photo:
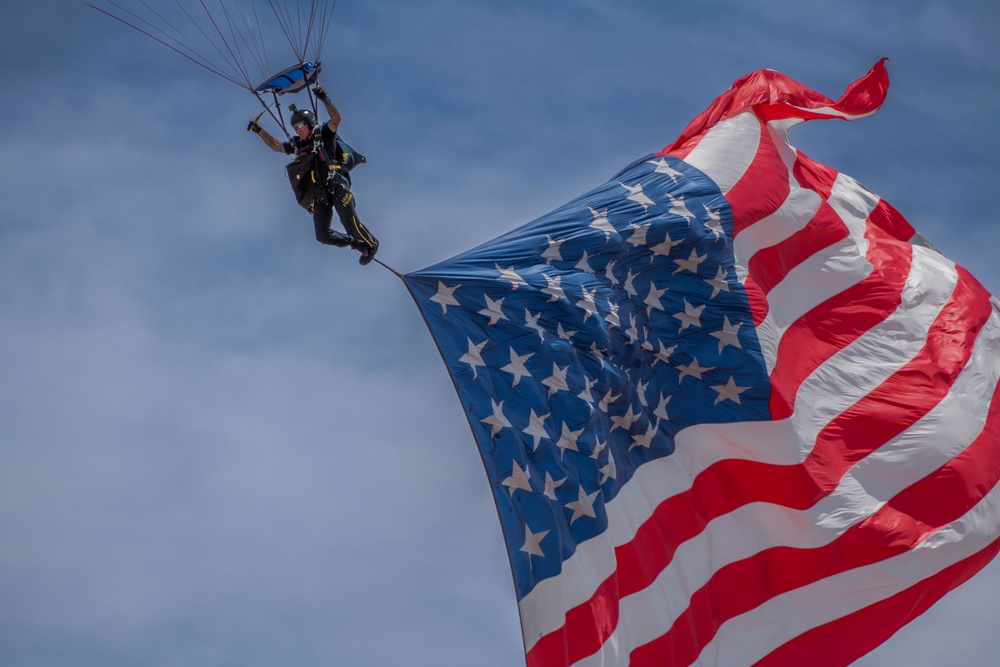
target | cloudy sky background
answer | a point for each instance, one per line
(222, 443)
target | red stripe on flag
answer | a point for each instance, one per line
(587, 627)
(762, 189)
(892, 221)
(767, 87)
(811, 174)
(825, 646)
(759, 307)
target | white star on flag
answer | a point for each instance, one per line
(531, 321)
(638, 238)
(694, 369)
(562, 333)
(493, 310)
(608, 399)
(718, 283)
(518, 479)
(598, 448)
(679, 208)
(691, 317)
(612, 317)
(568, 438)
(587, 303)
(584, 264)
(553, 288)
(557, 381)
(636, 194)
(601, 223)
(551, 485)
(665, 246)
(625, 421)
(497, 420)
(640, 390)
(585, 394)
(661, 409)
(728, 391)
(629, 287)
(691, 263)
(552, 253)
(584, 506)
(532, 542)
(516, 366)
(729, 334)
(608, 470)
(653, 298)
(594, 350)
(644, 440)
(714, 223)
(610, 274)
(664, 353)
(630, 330)
(474, 356)
(445, 297)
(663, 168)
(536, 428)
(510, 275)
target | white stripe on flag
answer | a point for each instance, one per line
(727, 150)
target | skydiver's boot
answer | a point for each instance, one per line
(368, 254)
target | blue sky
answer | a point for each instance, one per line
(224, 444)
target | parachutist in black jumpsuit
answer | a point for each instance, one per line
(327, 161)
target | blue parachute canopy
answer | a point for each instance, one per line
(291, 80)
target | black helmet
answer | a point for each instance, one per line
(304, 115)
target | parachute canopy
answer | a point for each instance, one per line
(291, 80)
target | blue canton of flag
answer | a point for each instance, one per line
(582, 342)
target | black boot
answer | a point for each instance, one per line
(368, 254)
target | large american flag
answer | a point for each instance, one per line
(734, 411)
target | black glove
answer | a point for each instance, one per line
(321, 95)
(252, 126)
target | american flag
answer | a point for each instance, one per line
(734, 411)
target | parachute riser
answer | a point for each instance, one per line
(276, 118)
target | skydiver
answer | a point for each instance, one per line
(321, 158)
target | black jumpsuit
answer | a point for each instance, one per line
(340, 196)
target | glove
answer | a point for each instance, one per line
(320, 94)
(252, 126)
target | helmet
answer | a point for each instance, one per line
(304, 115)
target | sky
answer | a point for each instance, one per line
(222, 443)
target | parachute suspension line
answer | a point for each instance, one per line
(179, 49)
(309, 28)
(237, 61)
(303, 28)
(285, 22)
(253, 35)
(231, 60)
(325, 22)
(281, 118)
(313, 101)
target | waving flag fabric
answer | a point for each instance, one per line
(734, 411)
